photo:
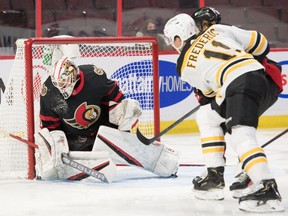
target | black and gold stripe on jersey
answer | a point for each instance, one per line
(253, 157)
(232, 65)
(258, 45)
(209, 93)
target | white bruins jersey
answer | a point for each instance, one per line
(218, 56)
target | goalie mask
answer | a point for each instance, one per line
(65, 76)
(206, 14)
(182, 26)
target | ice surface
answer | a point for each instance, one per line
(136, 192)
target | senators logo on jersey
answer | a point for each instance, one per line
(84, 116)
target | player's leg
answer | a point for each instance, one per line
(248, 96)
(211, 184)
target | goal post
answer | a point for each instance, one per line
(131, 61)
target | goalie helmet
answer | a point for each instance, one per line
(206, 14)
(182, 26)
(65, 76)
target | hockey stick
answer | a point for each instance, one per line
(274, 138)
(68, 161)
(239, 169)
(94, 173)
(147, 141)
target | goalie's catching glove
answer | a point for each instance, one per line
(124, 114)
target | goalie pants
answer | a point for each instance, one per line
(247, 98)
(80, 143)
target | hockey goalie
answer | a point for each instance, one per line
(85, 115)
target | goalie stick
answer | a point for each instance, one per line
(94, 173)
(148, 141)
(68, 161)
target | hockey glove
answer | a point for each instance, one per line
(202, 99)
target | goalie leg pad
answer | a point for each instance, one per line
(125, 148)
(167, 163)
(51, 145)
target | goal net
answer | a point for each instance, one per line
(132, 61)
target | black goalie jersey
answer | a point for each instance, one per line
(85, 110)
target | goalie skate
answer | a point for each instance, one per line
(263, 198)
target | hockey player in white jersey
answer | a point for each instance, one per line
(221, 62)
(204, 18)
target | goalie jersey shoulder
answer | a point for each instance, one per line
(48, 88)
(93, 70)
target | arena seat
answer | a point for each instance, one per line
(233, 16)
(262, 15)
(216, 3)
(269, 31)
(282, 32)
(80, 4)
(284, 14)
(54, 4)
(5, 5)
(168, 4)
(20, 4)
(275, 3)
(245, 3)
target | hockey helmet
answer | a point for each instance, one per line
(65, 76)
(207, 14)
(182, 26)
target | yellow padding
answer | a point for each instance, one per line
(249, 153)
(213, 150)
(253, 162)
(212, 139)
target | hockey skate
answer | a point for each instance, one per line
(263, 197)
(241, 186)
(210, 185)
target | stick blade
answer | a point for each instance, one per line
(143, 139)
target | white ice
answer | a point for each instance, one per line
(139, 193)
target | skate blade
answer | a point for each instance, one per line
(254, 206)
(240, 193)
(213, 194)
